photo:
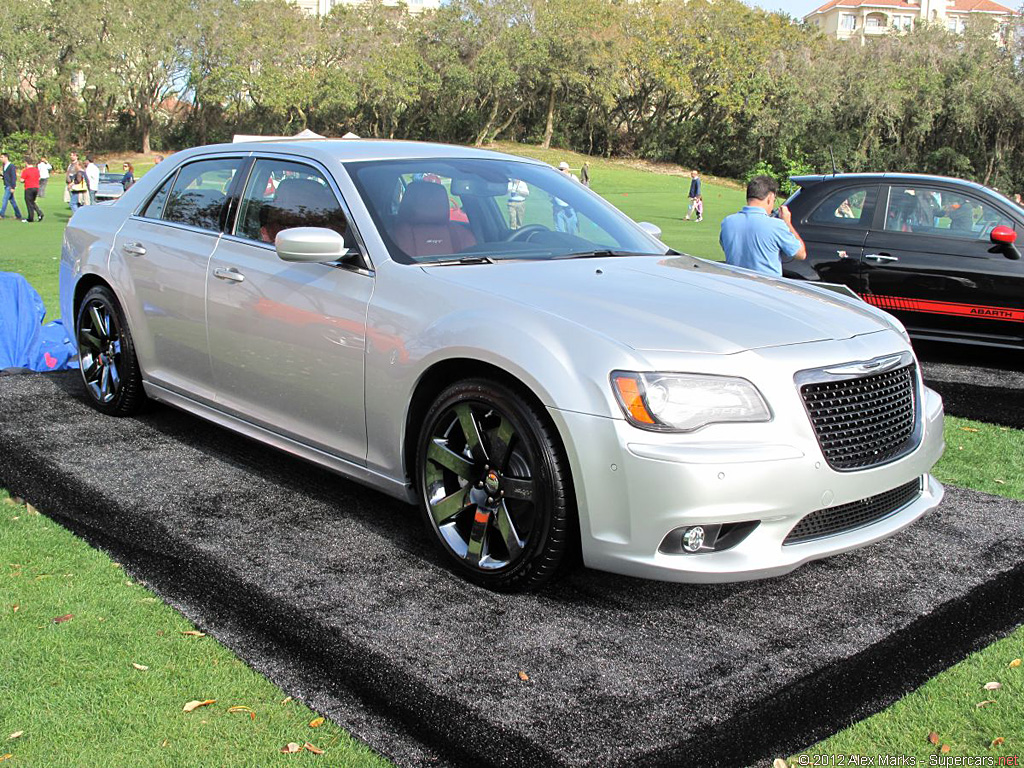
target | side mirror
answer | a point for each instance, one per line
(311, 244)
(651, 229)
(1006, 237)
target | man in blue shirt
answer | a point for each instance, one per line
(754, 239)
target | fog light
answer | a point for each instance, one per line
(693, 538)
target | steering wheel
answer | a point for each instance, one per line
(523, 233)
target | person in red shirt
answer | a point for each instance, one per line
(30, 182)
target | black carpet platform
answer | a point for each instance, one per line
(332, 591)
(980, 383)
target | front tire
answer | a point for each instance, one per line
(110, 369)
(495, 486)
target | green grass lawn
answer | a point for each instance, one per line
(73, 692)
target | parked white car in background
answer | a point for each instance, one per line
(533, 384)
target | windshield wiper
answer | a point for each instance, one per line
(458, 261)
(603, 254)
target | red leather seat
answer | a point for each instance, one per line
(424, 227)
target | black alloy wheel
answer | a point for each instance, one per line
(495, 486)
(106, 353)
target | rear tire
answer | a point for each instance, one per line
(495, 487)
(110, 370)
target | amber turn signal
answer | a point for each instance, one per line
(627, 387)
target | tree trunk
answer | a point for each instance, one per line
(550, 128)
(482, 136)
(147, 127)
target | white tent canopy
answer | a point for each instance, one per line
(306, 134)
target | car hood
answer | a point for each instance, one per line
(672, 303)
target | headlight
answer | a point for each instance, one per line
(683, 402)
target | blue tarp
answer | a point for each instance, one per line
(24, 341)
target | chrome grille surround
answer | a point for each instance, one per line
(864, 414)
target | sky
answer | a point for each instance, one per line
(797, 8)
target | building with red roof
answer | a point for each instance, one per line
(861, 20)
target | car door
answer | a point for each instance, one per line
(929, 259)
(834, 227)
(287, 339)
(160, 256)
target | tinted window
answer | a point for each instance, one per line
(849, 207)
(155, 207)
(280, 195)
(199, 193)
(942, 212)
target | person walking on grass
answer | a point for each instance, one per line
(10, 182)
(754, 239)
(695, 195)
(78, 187)
(92, 177)
(44, 176)
(129, 176)
(30, 183)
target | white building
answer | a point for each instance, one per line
(324, 7)
(861, 20)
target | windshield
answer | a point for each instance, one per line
(444, 209)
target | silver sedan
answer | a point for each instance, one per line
(485, 337)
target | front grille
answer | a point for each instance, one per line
(856, 514)
(863, 422)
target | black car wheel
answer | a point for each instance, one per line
(110, 370)
(495, 486)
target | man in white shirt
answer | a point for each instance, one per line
(518, 191)
(92, 177)
(44, 174)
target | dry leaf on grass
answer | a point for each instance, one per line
(944, 748)
(31, 510)
(15, 607)
(985, 703)
(316, 722)
(778, 762)
(969, 429)
(1001, 482)
(62, 619)
(286, 699)
(993, 686)
(197, 704)
(193, 633)
(1014, 663)
(310, 748)
(933, 737)
(8, 756)
(524, 677)
(291, 748)
(15, 735)
(140, 667)
(997, 741)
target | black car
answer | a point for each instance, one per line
(938, 253)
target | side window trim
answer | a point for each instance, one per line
(169, 184)
(366, 265)
(172, 179)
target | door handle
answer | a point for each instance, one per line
(135, 249)
(228, 274)
(880, 257)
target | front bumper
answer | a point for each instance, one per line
(633, 488)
